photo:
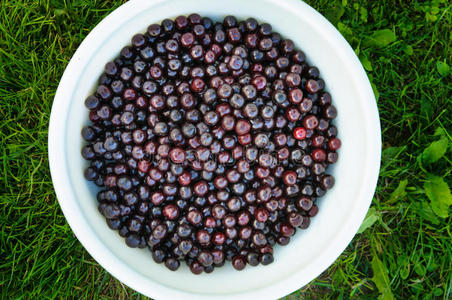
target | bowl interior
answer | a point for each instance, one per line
(341, 210)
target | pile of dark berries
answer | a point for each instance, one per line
(210, 142)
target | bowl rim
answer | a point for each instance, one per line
(102, 254)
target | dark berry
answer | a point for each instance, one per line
(210, 142)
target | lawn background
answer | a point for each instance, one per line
(404, 249)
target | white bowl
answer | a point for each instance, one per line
(311, 251)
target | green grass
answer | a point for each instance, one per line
(405, 252)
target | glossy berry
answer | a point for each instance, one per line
(210, 142)
(238, 262)
(299, 133)
(334, 144)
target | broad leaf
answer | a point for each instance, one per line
(399, 192)
(403, 263)
(439, 194)
(439, 131)
(437, 292)
(443, 68)
(381, 279)
(382, 38)
(408, 50)
(426, 108)
(425, 210)
(334, 12)
(371, 217)
(375, 90)
(346, 31)
(389, 154)
(365, 62)
(419, 268)
(435, 151)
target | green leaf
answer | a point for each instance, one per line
(404, 264)
(346, 31)
(434, 9)
(408, 25)
(371, 217)
(389, 154)
(405, 271)
(376, 92)
(439, 131)
(59, 12)
(435, 151)
(431, 17)
(439, 194)
(334, 12)
(374, 87)
(399, 192)
(426, 108)
(357, 51)
(365, 62)
(417, 288)
(408, 50)
(432, 267)
(437, 292)
(443, 68)
(381, 279)
(381, 38)
(420, 270)
(363, 14)
(425, 210)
